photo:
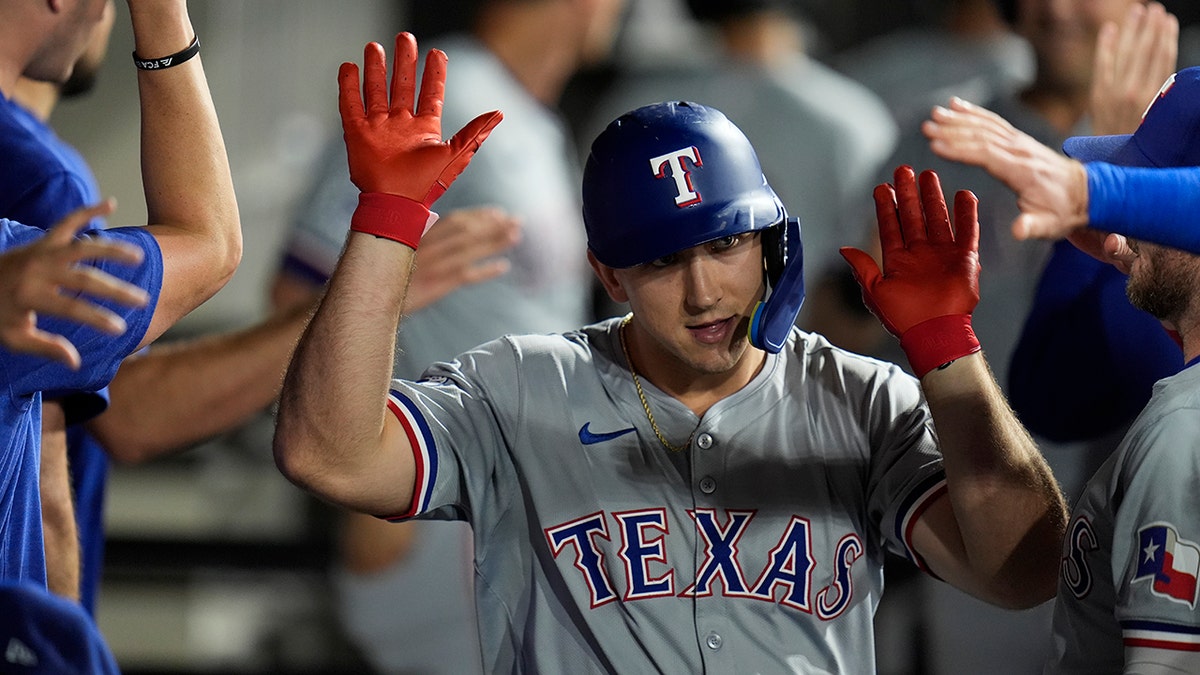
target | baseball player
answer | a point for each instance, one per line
(1128, 590)
(671, 491)
(188, 252)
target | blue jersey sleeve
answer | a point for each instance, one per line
(101, 353)
(1086, 359)
(1155, 205)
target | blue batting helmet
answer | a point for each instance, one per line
(669, 176)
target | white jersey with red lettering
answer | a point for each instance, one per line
(759, 548)
(1131, 558)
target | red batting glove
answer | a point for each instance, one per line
(397, 158)
(930, 280)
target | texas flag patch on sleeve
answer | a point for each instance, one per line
(1172, 564)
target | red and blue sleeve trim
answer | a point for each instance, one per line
(918, 499)
(425, 458)
(1160, 635)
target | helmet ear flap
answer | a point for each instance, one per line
(780, 243)
(774, 245)
(783, 255)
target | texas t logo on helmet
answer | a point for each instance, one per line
(716, 189)
(687, 195)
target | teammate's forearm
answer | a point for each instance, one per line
(59, 530)
(185, 171)
(332, 430)
(1156, 205)
(231, 377)
(1009, 509)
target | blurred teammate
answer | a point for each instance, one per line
(1128, 590)
(1089, 56)
(189, 251)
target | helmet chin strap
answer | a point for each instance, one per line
(772, 319)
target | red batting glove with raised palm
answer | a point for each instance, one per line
(930, 280)
(398, 159)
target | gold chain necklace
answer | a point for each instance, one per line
(642, 395)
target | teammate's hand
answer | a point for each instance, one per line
(1051, 188)
(1132, 61)
(1118, 251)
(47, 276)
(463, 249)
(393, 149)
(930, 280)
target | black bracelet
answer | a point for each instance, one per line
(168, 61)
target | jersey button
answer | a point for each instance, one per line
(713, 641)
(708, 485)
(704, 441)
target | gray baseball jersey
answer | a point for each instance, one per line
(1132, 553)
(758, 549)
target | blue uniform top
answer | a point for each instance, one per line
(43, 179)
(22, 555)
(1087, 359)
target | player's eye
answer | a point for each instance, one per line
(664, 261)
(726, 243)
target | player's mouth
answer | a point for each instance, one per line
(712, 332)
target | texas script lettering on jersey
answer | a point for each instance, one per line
(789, 568)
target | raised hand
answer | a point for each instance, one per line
(1051, 188)
(929, 285)
(394, 148)
(47, 276)
(1131, 63)
(461, 251)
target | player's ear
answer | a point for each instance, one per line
(608, 278)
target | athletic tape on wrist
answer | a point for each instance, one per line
(392, 217)
(938, 341)
(168, 61)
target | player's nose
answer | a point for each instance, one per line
(700, 282)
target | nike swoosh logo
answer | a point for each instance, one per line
(588, 438)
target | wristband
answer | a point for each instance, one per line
(392, 217)
(938, 341)
(168, 61)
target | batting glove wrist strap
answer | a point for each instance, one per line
(392, 217)
(938, 341)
